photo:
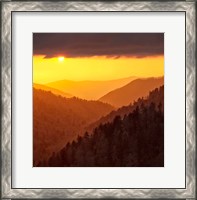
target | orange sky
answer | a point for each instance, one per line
(95, 68)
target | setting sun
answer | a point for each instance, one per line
(61, 59)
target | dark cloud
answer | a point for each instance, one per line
(98, 44)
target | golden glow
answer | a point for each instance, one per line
(61, 59)
(95, 68)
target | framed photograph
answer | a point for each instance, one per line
(98, 99)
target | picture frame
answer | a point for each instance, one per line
(7, 91)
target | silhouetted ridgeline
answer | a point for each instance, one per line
(156, 96)
(89, 89)
(134, 140)
(128, 93)
(52, 90)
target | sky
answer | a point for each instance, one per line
(96, 56)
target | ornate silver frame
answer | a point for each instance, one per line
(7, 7)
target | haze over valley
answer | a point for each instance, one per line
(87, 89)
(60, 117)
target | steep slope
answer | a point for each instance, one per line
(54, 91)
(57, 120)
(135, 140)
(89, 90)
(155, 96)
(132, 91)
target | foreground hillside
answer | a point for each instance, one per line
(134, 140)
(132, 91)
(57, 120)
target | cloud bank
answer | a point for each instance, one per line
(98, 44)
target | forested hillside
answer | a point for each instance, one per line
(135, 139)
(57, 120)
(155, 96)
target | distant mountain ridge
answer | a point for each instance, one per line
(132, 91)
(89, 90)
(53, 90)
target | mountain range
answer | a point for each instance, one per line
(60, 116)
(133, 140)
(89, 90)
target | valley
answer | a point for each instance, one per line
(60, 118)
